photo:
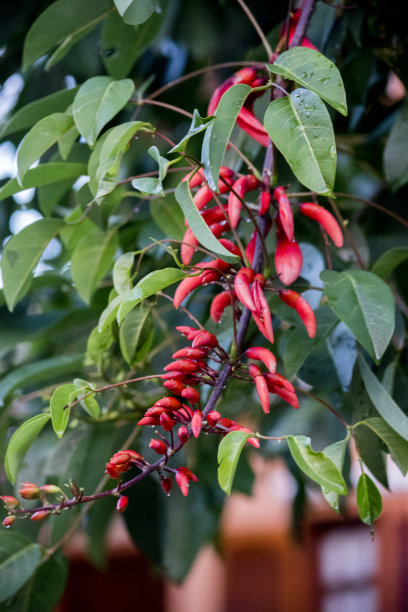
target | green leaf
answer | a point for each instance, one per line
(39, 139)
(21, 255)
(104, 162)
(135, 12)
(198, 226)
(372, 451)
(122, 272)
(229, 452)
(44, 174)
(122, 44)
(316, 465)
(335, 452)
(97, 250)
(198, 125)
(383, 402)
(60, 23)
(218, 134)
(97, 101)
(369, 500)
(31, 113)
(396, 150)
(365, 304)
(168, 216)
(66, 142)
(300, 127)
(19, 558)
(388, 261)
(45, 587)
(39, 372)
(314, 71)
(397, 446)
(59, 414)
(153, 186)
(133, 332)
(20, 442)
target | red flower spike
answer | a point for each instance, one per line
(241, 285)
(166, 484)
(241, 186)
(219, 304)
(183, 478)
(302, 307)
(285, 212)
(191, 394)
(262, 354)
(29, 490)
(167, 422)
(9, 501)
(184, 289)
(122, 503)
(8, 521)
(280, 386)
(288, 259)
(123, 460)
(40, 515)
(265, 203)
(182, 365)
(245, 75)
(174, 385)
(146, 420)
(190, 353)
(189, 332)
(252, 126)
(205, 339)
(154, 411)
(265, 314)
(158, 446)
(196, 423)
(213, 417)
(263, 392)
(183, 434)
(326, 220)
(168, 402)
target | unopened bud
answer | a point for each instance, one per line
(158, 445)
(40, 515)
(8, 521)
(9, 501)
(183, 434)
(166, 484)
(51, 489)
(29, 490)
(122, 503)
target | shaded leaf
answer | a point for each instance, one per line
(316, 465)
(397, 446)
(135, 12)
(198, 125)
(365, 304)
(122, 272)
(97, 101)
(229, 452)
(388, 261)
(59, 413)
(218, 134)
(20, 442)
(313, 70)
(133, 332)
(168, 216)
(19, 558)
(301, 128)
(21, 255)
(372, 452)
(335, 452)
(396, 150)
(198, 226)
(369, 500)
(43, 174)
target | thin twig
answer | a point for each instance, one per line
(257, 27)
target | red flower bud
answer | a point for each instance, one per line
(245, 75)
(191, 394)
(40, 515)
(122, 503)
(302, 307)
(190, 353)
(122, 461)
(190, 332)
(168, 402)
(326, 220)
(183, 478)
(29, 490)
(219, 304)
(146, 420)
(158, 445)
(182, 365)
(51, 489)
(166, 484)
(265, 202)
(205, 339)
(213, 417)
(288, 259)
(8, 521)
(241, 285)
(188, 246)
(196, 423)
(9, 501)
(280, 386)
(184, 289)
(262, 354)
(285, 212)
(240, 187)
(167, 422)
(183, 434)
(174, 385)
(262, 318)
(263, 392)
(252, 126)
(195, 178)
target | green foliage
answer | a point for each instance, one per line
(20, 442)
(19, 558)
(229, 452)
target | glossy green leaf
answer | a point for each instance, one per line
(388, 261)
(198, 125)
(19, 558)
(385, 405)
(396, 150)
(314, 71)
(198, 226)
(33, 112)
(20, 442)
(135, 12)
(40, 371)
(133, 332)
(122, 272)
(97, 101)
(66, 141)
(316, 465)
(300, 127)
(168, 216)
(151, 185)
(365, 304)
(59, 413)
(369, 500)
(218, 134)
(397, 446)
(60, 23)
(335, 452)
(229, 452)
(21, 255)
(373, 453)
(44, 174)
(97, 250)
(39, 139)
